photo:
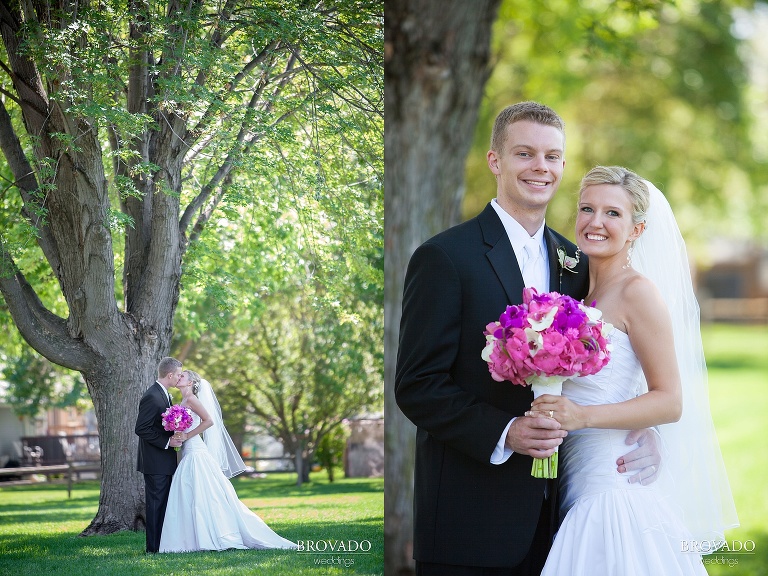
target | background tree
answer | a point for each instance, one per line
(300, 370)
(290, 332)
(124, 129)
(36, 385)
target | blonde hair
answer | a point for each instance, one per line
(196, 379)
(633, 184)
(531, 111)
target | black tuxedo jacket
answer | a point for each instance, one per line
(153, 457)
(468, 511)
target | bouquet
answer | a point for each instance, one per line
(177, 418)
(543, 342)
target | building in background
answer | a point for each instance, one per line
(733, 287)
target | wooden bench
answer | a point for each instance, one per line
(71, 470)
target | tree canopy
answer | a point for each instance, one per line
(145, 143)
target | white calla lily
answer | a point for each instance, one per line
(535, 341)
(545, 322)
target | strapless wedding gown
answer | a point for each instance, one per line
(204, 512)
(609, 526)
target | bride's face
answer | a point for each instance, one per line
(604, 226)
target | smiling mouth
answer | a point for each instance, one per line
(537, 183)
(597, 237)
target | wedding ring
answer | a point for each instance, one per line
(551, 413)
(653, 467)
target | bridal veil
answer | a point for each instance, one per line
(695, 474)
(217, 438)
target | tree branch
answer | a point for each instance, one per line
(206, 120)
(42, 329)
(26, 182)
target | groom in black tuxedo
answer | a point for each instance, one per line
(156, 457)
(477, 509)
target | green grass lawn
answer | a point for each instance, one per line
(39, 525)
(737, 358)
(39, 529)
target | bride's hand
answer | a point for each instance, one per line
(569, 415)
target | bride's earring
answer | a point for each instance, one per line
(629, 257)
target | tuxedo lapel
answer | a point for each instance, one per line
(165, 394)
(554, 264)
(500, 255)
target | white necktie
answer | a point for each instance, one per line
(530, 268)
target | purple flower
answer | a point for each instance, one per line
(177, 418)
(513, 317)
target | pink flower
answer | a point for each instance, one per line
(177, 418)
(550, 334)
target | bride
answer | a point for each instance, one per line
(203, 511)
(655, 377)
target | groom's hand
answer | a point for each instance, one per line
(646, 457)
(175, 442)
(536, 436)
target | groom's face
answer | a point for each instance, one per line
(530, 166)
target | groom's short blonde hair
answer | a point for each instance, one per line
(166, 366)
(530, 111)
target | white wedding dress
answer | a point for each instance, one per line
(612, 527)
(204, 512)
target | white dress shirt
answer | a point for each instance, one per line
(537, 276)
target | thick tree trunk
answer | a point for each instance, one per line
(298, 462)
(127, 367)
(116, 392)
(436, 65)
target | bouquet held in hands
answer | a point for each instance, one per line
(543, 342)
(177, 418)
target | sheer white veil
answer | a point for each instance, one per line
(695, 474)
(217, 438)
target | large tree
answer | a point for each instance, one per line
(124, 128)
(436, 62)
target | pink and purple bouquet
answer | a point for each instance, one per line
(177, 418)
(543, 342)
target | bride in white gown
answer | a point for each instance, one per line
(656, 373)
(204, 512)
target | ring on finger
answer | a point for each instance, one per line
(551, 413)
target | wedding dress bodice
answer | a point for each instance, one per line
(588, 456)
(196, 442)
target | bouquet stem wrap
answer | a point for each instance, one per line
(546, 467)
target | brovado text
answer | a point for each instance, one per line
(333, 546)
(710, 546)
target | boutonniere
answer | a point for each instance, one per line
(568, 262)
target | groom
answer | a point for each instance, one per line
(477, 509)
(156, 458)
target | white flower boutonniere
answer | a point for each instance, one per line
(568, 262)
